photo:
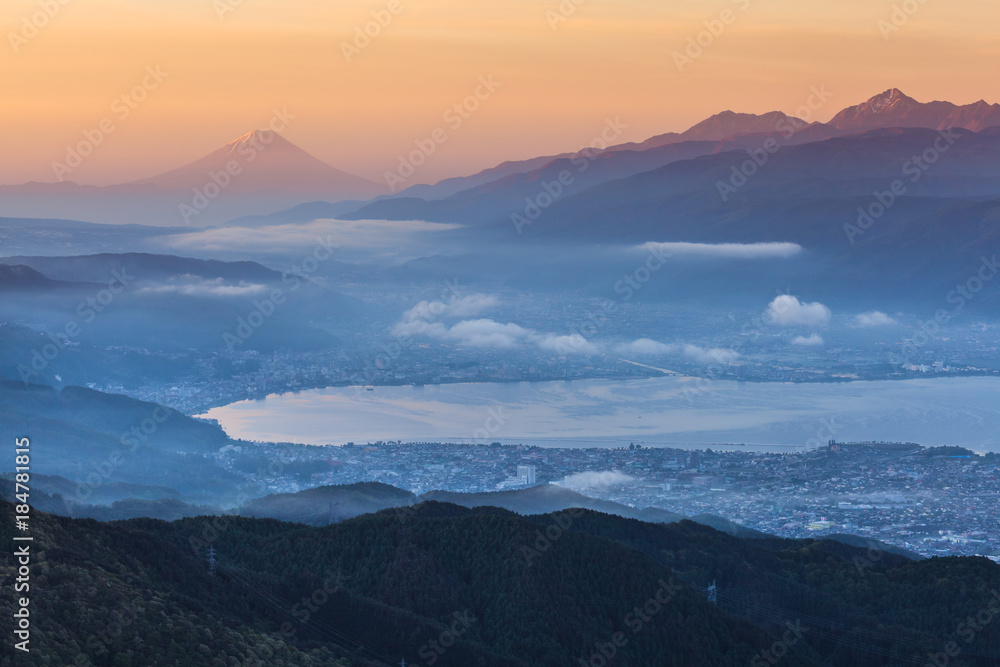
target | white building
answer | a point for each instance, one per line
(525, 477)
(528, 473)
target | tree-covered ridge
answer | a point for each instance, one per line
(496, 588)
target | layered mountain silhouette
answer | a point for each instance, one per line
(723, 125)
(19, 276)
(713, 130)
(891, 108)
(259, 172)
(265, 161)
(514, 184)
(560, 177)
(849, 166)
(895, 109)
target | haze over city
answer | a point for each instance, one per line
(511, 334)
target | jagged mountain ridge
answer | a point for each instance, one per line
(893, 108)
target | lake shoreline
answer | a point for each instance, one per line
(662, 411)
(223, 402)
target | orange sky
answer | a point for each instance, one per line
(608, 58)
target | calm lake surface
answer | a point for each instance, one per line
(668, 411)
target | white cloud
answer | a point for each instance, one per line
(715, 355)
(812, 341)
(424, 320)
(332, 233)
(487, 333)
(466, 306)
(727, 250)
(195, 286)
(786, 310)
(596, 480)
(472, 304)
(420, 328)
(649, 347)
(874, 318)
(571, 344)
(474, 333)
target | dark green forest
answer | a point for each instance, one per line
(439, 584)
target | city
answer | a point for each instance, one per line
(933, 502)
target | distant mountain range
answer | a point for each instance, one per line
(726, 132)
(259, 171)
(147, 267)
(15, 275)
(894, 109)
(888, 109)
(487, 202)
(262, 173)
(724, 125)
(815, 194)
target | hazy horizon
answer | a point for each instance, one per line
(561, 73)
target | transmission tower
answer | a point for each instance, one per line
(211, 560)
(713, 593)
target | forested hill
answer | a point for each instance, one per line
(515, 591)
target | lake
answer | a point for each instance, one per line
(667, 411)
